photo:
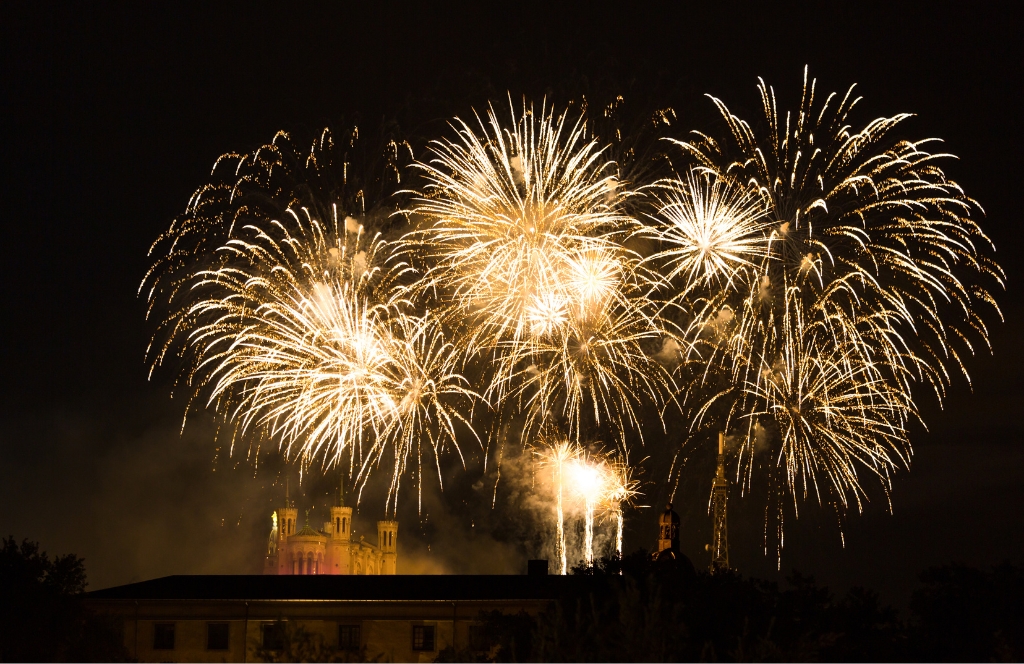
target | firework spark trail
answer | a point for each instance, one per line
(303, 334)
(598, 481)
(523, 237)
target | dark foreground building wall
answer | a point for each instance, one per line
(239, 618)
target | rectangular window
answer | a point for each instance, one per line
(217, 636)
(273, 638)
(422, 637)
(348, 637)
(163, 636)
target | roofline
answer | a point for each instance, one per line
(339, 588)
(247, 600)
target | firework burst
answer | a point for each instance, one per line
(340, 171)
(428, 399)
(874, 214)
(509, 207)
(522, 238)
(828, 272)
(827, 404)
(303, 334)
(711, 227)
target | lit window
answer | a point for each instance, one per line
(348, 637)
(217, 636)
(422, 637)
(163, 636)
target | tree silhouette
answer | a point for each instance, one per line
(41, 613)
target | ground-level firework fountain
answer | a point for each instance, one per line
(588, 483)
(594, 484)
(557, 456)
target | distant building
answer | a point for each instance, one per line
(668, 535)
(331, 550)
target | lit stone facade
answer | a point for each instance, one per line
(331, 550)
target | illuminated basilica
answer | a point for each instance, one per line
(331, 550)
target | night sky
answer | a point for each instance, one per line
(113, 115)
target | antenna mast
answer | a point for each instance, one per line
(719, 498)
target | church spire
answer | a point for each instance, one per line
(341, 491)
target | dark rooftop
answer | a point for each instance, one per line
(329, 587)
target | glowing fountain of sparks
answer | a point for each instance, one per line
(620, 489)
(558, 454)
(588, 479)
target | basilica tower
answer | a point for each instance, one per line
(287, 517)
(283, 525)
(340, 530)
(387, 538)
